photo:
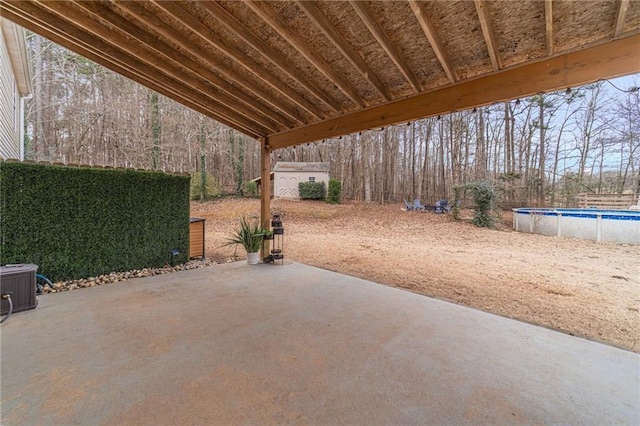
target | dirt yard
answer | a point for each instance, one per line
(580, 287)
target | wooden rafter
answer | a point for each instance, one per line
(261, 9)
(114, 54)
(548, 19)
(180, 61)
(312, 11)
(420, 12)
(269, 53)
(487, 32)
(95, 50)
(76, 16)
(174, 36)
(621, 16)
(214, 40)
(583, 66)
(382, 38)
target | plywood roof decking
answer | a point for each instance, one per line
(294, 71)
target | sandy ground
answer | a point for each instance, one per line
(580, 287)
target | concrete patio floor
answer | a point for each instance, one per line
(266, 344)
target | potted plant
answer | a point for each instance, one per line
(249, 235)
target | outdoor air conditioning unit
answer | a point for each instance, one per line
(20, 282)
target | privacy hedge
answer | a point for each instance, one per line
(311, 190)
(81, 222)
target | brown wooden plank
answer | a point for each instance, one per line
(548, 22)
(420, 12)
(265, 13)
(623, 6)
(487, 32)
(89, 47)
(86, 16)
(378, 33)
(312, 11)
(605, 60)
(214, 40)
(265, 193)
(269, 53)
(154, 24)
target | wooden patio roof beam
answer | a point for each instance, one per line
(86, 48)
(266, 14)
(176, 66)
(487, 31)
(548, 20)
(269, 53)
(419, 10)
(608, 60)
(384, 41)
(212, 39)
(621, 16)
(348, 52)
(137, 12)
(181, 62)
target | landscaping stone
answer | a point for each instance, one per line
(114, 277)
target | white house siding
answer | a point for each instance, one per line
(9, 106)
(15, 83)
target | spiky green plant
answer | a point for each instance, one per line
(249, 235)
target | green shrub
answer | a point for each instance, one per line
(311, 190)
(334, 194)
(250, 189)
(81, 222)
(212, 187)
(483, 196)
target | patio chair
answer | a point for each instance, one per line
(442, 206)
(418, 206)
(407, 206)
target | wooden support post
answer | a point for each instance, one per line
(265, 193)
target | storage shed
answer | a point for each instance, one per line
(287, 176)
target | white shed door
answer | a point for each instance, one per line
(287, 187)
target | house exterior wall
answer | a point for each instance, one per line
(286, 182)
(9, 106)
(15, 84)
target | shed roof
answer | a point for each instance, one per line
(284, 166)
(295, 71)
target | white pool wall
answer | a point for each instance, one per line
(617, 226)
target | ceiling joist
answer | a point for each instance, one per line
(382, 38)
(487, 32)
(349, 53)
(262, 9)
(548, 25)
(260, 100)
(250, 65)
(30, 16)
(420, 12)
(196, 88)
(621, 16)
(269, 53)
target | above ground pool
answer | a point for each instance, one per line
(617, 226)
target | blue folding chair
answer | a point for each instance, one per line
(418, 206)
(442, 206)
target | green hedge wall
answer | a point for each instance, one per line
(81, 222)
(311, 190)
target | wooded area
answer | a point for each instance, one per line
(542, 150)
